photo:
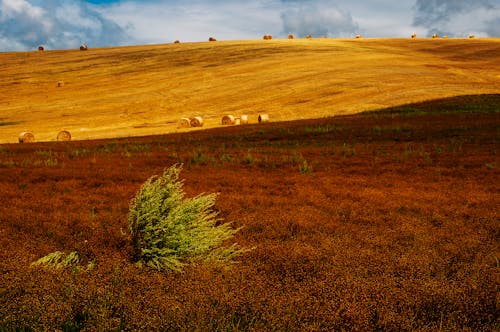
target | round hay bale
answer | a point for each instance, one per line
(263, 118)
(197, 121)
(64, 136)
(290, 36)
(268, 37)
(414, 36)
(60, 84)
(41, 48)
(244, 119)
(177, 42)
(472, 36)
(184, 123)
(212, 39)
(309, 37)
(434, 36)
(228, 120)
(26, 137)
(359, 36)
(83, 47)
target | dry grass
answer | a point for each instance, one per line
(132, 91)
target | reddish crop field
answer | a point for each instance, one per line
(386, 220)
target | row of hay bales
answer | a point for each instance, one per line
(228, 120)
(27, 137)
(197, 121)
(413, 36)
(83, 47)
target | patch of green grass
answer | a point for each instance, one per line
(486, 104)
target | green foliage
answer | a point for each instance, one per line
(170, 231)
(59, 259)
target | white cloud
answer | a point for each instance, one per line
(317, 18)
(56, 24)
(458, 17)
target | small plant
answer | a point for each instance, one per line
(169, 231)
(59, 260)
(305, 168)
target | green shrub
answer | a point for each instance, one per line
(59, 260)
(169, 231)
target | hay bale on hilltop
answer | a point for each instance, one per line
(414, 36)
(309, 37)
(434, 36)
(268, 37)
(41, 48)
(184, 123)
(263, 118)
(83, 47)
(472, 36)
(177, 42)
(26, 137)
(359, 36)
(228, 120)
(244, 119)
(197, 121)
(290, 36)
(64, 136)
(212, 39)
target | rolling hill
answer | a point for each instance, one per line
(143, 90)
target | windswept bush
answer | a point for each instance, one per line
(59, 260)
(170, 231)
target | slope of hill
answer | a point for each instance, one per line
(143, 90)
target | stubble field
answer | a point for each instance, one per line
(144, 90)
(377, 221)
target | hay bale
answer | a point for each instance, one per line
(472, 36)
(26, 137)
(309, 37)
(228, 120)
(197, 121)
(83, 47)
(414, 36)
(60, 84)
(212, 39)
(434, 36)
(244, 119)
(177, 42)
(64, 136)
(41, 48)
(359, 36)
(184, 123)
(268, 37)
(290, 36)
(263, 118)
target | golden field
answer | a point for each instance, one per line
(142, 90)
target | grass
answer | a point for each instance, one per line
(409, 248)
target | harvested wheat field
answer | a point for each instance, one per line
(142, 90)
(380, 221)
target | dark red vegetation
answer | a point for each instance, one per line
(378, 221)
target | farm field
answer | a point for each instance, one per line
(144, 90)
(385, 220)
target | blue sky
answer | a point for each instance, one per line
(60, 24)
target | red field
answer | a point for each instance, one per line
(378, 221)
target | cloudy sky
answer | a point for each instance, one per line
(60, 24)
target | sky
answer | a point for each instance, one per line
(63, 24)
